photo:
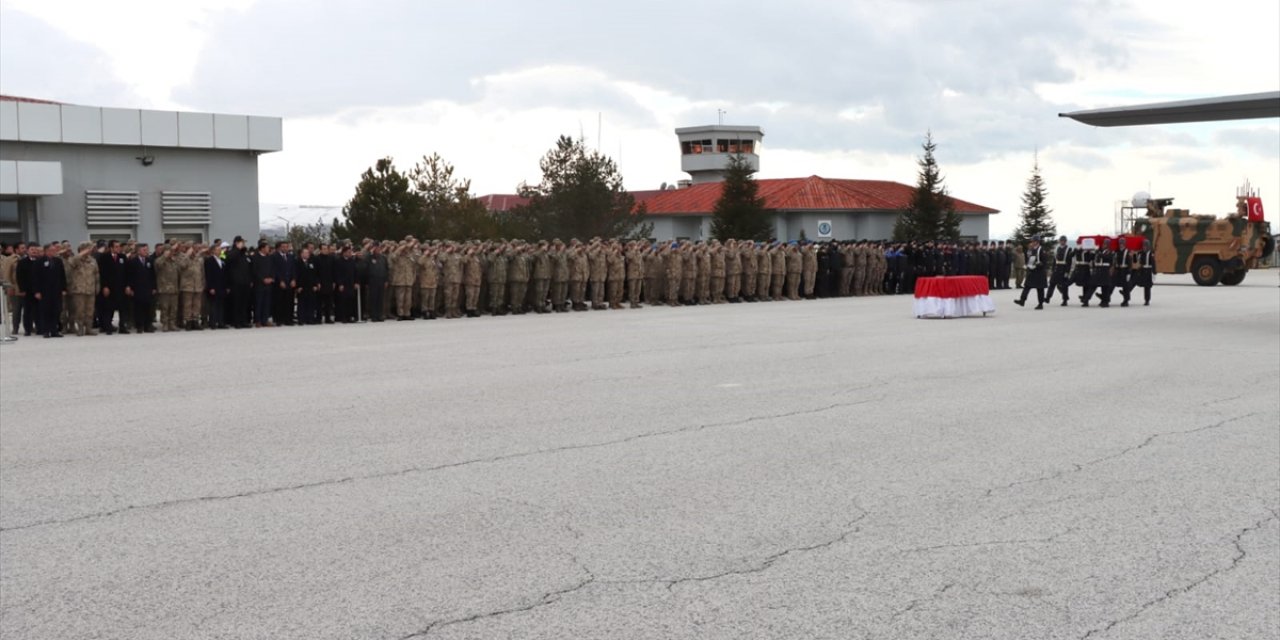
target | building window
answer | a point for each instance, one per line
(119, 235)
(748, 146)
(722, 146)
(696, 147)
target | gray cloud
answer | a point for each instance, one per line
(1189, 164)
(907, 58)
(1079, 158)
(1262, 141)
(42, 62)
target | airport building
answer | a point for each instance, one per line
(71, 172)
(815, 207)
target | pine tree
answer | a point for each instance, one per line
(740, 212)
(1037, 217)
(451, 212)
(931, 214)
(580, 196)
(384, 206)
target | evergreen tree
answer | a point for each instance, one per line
(449, 209)
(384, 206)
(580, 196)
(740, 212)
(931, 214)
(1037, 217)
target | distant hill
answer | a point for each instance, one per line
(272, 217)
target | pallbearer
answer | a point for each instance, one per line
(1063, 263)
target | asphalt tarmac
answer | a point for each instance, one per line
(818, 469)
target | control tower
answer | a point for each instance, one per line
(705, 151)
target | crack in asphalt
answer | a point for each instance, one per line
(1077, 467)
(915, 603)
(1237, 557)
(441, 467)
(990, 543)
(551, 597)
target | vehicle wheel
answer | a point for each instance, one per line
(1206, 271)
(1234, 278)
(1268, 247)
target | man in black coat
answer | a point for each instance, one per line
(239, 273)
(308, 286)
(111, 282)
(1035, 275)
(344, 285)
(263, 278)
(140, 289)
(324, 276)
(378, 271)
(25, 275)
(285, 271)
(216, 288)
(50, 284)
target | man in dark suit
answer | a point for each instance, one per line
(140, 289)
(344, 285)
(216, 288)
(239, 274)
(50, 285)
(260, 266)
(308, 288)
(111, 288)
(25, 277)
(324, 274)
(285, 271)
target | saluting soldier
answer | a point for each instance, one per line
(635, 273)
(579, 270)
(809, 269)
(674, 264)
(654, 275)
(191, 287)
(764, 274)
(541, 278)
(497, 278)
(403, 273)
(82, 284)
(472, 275)
(749, 256)
(429, 282)
(518, 278)
(733, 267)
(559, 277)
(718, 273)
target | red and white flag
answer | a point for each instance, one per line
(1255, 209)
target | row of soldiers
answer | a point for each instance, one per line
(1098, 271)
(113, 286)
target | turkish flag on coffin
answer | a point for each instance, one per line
(1255, 209)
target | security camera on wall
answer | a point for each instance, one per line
(147, 160)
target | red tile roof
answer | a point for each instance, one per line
(509, 201)
(803, 194)
(4, 98)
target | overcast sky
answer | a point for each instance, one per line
(841, 89)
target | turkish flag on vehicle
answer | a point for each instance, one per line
(1255, 209)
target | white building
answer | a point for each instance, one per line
(71, 172)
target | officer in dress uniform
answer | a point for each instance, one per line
(1035, 275)
(1141, 273)
(1082, 276)
(1120, 271)
(1100, 278)
(1063, 263)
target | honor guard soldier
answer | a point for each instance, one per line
(1035, 275)
(1063, 263)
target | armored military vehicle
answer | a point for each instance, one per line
(1213, 250)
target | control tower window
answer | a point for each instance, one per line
(722, 146)
(748, 146)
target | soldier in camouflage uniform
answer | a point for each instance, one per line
(779, 256)
(403, 274)
(733, 270)
(717, 272)
(559, 277)
(82, 286)
(808, 269)
(497, 278)
(541, 278)
(635, 272)
(615, 274)
(472, 276)
(673, 263)
(688, 273)
(518, 271)
(428, 282)
(764, 274)
(191, 287)
(579, 270)
(451, 278)
(704, 274)
(167, 266)
(655, 275)
(749, 257)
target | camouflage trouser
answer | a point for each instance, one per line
(673, 290)
(749, 283)
(704, 288)
(810, 279)
(858, 278)
(472, 295)
(793, 285)
(614, 288)
(81, 312)
(652, 289)
(634, 287)
(846, 281)
(427, 298)
(775, 286)
(559, 293)
(191, 306)
(597, 293)
(167, 304)
(732, 285)
(517, 291)
(497, 296)
(717, 289)
(762, 286)
(404, 300)
(1019, 274)
(688, 288)
(451, 290)
(578, 293)
(541, 287)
